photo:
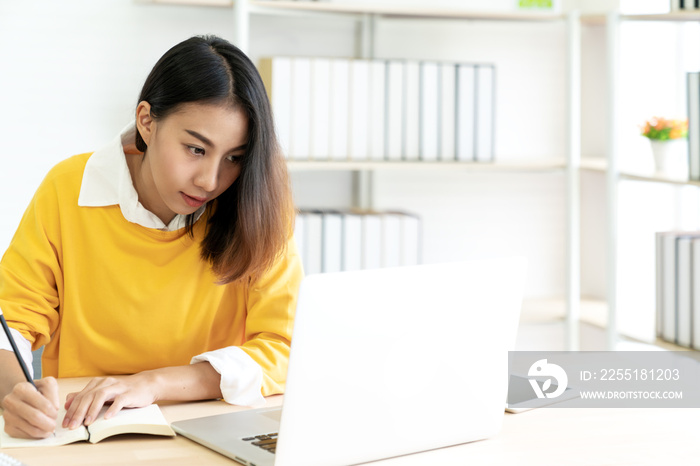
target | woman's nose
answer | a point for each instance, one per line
(208, 176)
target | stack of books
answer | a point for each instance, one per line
(382, 110)
(678, 287)
(335, 241)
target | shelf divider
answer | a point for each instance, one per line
(241, 26)
(403, 11)
(612, 175)
(512, 166)
(573, 197)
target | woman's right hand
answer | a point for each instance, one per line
(30, 412)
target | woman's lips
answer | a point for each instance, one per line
(193, 201)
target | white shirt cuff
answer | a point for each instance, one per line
(241, 376)
(23, 345)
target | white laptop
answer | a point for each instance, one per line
(384, 363)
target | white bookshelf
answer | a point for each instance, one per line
(367, 15)
(676, 16)
(550, 310)
(601, 166)
(399, 10)
(378, 8)
(609, 166)
(517, 166)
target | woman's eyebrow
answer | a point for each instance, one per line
(202, 138)
(208, 142)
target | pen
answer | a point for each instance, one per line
(16, 351)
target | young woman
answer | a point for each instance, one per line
(164, 258)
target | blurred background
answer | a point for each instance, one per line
(71, 71)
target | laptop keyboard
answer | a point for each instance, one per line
(267, 442)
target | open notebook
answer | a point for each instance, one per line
(148, 420)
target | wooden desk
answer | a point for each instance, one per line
(543, 437)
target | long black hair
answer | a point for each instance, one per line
(250, 223)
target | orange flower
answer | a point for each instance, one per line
(663, 129)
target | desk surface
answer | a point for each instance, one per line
(542, 437)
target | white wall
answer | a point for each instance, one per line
(71, 73)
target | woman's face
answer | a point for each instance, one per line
(192, 157)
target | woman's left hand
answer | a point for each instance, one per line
(134, 391)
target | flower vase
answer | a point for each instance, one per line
(671, 158)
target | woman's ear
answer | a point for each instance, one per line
(144, 122)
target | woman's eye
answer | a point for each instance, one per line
(234, 158)
(196, 150)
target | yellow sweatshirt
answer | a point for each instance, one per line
(106, 296)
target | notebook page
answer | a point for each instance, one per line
(63, 436)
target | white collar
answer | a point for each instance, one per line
(107, 181)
